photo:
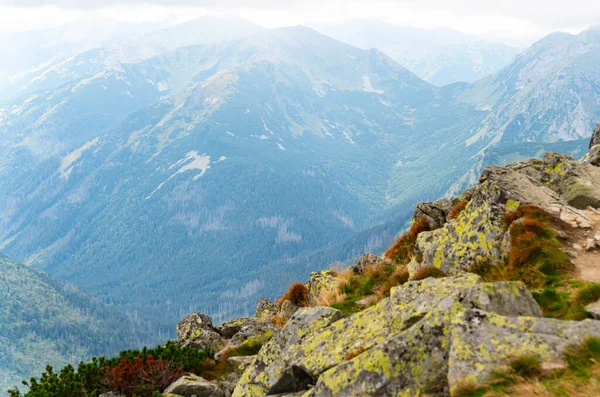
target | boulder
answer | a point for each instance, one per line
(287, 310)
(595, 140)
(194, 386)
(297, 358)
(229, 328)
(319, 283)
(304, 323)
(443, 351)
(435, 212)
(241, 363)
(578, 185)
(265, 308)
(366, 261)
(477, 234)
(249, 337)
(592, 157)
(197, 330)
(594, 310)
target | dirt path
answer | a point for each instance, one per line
(585, 248)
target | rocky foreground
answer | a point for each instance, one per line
(430, 336)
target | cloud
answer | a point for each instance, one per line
(552, 14)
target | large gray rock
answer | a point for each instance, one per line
(287, 310)
(194, 386)
(578, 185)
(442, 351)
(265, 308)
(303, 324)
(252, 334)
(300, 355)
(197, 330)
(319, 283)
(365, 261)
(595, 136)
(435, 212)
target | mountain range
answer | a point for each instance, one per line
(170, 178)
(440, 56)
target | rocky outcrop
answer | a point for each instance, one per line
(194, 386)
(319, 283)
(316, 341)
(197, 330)
(435, 212)
(595, 137)
(265, 308)
(558, 184)
(428, 336)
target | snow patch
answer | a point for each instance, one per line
(192, 161)
(88, 80)
(368, 87)
(348, 138)
(211, 100)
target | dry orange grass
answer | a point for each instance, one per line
(277, 321)
(297, 294)
(398, 277)
(331, 297)
(403, 249)
(428, 271)
(457, 209)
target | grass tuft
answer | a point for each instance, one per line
(428, 271)
(297, 294)
(403, 249)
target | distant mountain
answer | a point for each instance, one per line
(259, 150)
(439, 56)
(45, 321)
(60, 61)
(203, 177)
(549, 93)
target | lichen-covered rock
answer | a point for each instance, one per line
(477, 234)
(366, 261)
(435, 212)
(252, 334)
(241, 363)
(229, 328)
(482, 341)
(319, 283)
(257, 380)
(592, 157)
(194, 386)
(197, 330)
(595, 140)
(287, 310)
(303, 357)
(578, 184)
(265, 308)
(445, 349)
(195, 321)
(532, 168)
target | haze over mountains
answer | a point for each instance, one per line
(201, 166)
(439, 56)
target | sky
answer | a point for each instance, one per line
(509, 20)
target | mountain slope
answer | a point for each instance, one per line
(45, 321)
(286, 142)
(100, 52)
(439, 56)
